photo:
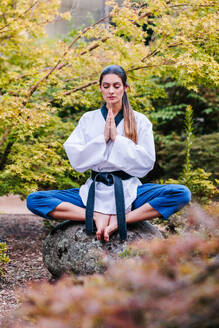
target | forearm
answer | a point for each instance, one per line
(131, 158)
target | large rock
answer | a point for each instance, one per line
(69, 249)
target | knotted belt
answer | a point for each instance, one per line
(108, 178)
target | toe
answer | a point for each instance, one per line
(106, 234)
(99, 234)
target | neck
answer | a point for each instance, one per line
(115, 107)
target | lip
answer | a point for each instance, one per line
(112, 97)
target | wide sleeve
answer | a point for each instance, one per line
(84, 154)
(135, 159)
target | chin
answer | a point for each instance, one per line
(113, 101)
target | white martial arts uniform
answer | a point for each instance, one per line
(86, 149)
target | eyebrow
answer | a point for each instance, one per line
(112, 83)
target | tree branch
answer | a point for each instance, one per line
(151, 54)
(22, 15)
(94, 46)
(156, 51)
(5, 155)
(60, 65)
(187, 5)
(148, 14)
(82, 87)
(149, 66)
(4, 137)
(36, 85)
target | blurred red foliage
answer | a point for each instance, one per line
(170, 283)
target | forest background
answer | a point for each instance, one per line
(170, 52)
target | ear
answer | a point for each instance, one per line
(126, 87)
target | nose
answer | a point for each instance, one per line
(111, 89)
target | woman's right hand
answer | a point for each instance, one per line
(107, 127)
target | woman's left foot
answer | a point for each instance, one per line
(112, 227)
(101, 220)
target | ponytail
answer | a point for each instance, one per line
(130, 127)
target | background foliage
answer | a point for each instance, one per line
(195, 179)
(169, 50)
(3, 257)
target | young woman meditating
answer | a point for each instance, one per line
(117, 144)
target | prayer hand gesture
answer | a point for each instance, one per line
(110, 131)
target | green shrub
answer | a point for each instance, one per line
(196, 180)
(204, 153)
(3, 258)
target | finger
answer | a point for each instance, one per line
(110, 106)
(111, 119)
(113, 122)
(110, 111)
(113, 128)
(108, 117)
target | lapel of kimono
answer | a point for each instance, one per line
(118, 117)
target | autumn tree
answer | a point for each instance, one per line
(45, 86)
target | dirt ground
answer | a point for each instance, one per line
(24, 234)
(12, 204)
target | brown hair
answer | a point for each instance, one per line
(130, 127)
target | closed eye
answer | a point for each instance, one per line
(115, 85)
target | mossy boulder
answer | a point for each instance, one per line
(69, 249)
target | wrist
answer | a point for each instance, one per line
(114, 137)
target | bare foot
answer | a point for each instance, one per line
(113, 226)
(101, 220)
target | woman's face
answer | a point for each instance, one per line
(112, 89)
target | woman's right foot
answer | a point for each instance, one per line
(113, 226)
(101, 220)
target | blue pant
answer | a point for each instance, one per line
(166, 199)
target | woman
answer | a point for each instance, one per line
(117, 144)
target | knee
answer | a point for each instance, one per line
(31, 200)
(185, 194)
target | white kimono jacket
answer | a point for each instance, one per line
(86, 149)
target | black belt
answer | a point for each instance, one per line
(108, 178)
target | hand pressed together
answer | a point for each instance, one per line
(110, 131)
